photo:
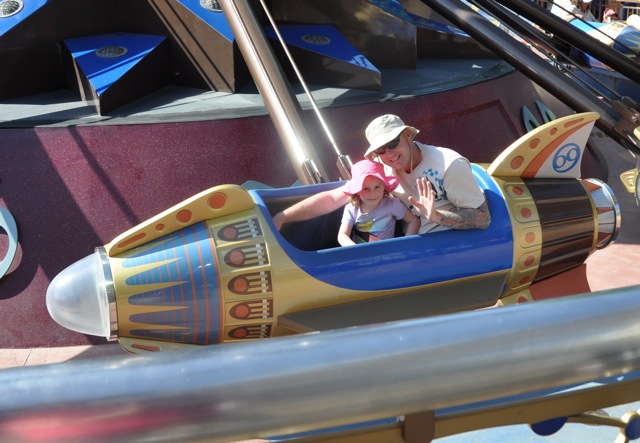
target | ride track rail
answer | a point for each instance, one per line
(315, 381)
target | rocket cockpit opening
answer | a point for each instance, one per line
(309, 235)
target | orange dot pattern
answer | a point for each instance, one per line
(184, 216)
(217, 200)
(252, 310)
(244, 272)
(249, 332)
(526, 231)
(517, 162)
(251, 283)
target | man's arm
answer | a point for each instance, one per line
(344, 235)
(471, 210)
(466, 218)
(311, 207)
(457, 218)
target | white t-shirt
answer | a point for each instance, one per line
(450, 176)
(587, 16)
(568, 6)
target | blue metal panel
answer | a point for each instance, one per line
(102, 72)
(322, 39)
(393, 7)
(626, 41)
(29, 7)
(215, 19)
(432, 25)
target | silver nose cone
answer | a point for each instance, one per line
(81, 297)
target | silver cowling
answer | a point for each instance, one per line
(607, 211)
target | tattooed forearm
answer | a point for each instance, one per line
(466, 218)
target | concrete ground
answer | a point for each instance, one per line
(615, 266)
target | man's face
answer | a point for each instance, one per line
(398, 157)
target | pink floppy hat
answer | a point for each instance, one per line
(362, 170)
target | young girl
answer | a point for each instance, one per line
(371, 213)
(609, 16)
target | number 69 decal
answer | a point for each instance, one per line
(9, 225)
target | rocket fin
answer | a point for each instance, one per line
(212, 203)
(629, 179)
(553, 150)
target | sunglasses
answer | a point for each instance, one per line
(393, 144)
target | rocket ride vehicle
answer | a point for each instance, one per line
(213, 269)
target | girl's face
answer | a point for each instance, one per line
(372, 190)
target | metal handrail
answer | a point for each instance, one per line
(310, 381)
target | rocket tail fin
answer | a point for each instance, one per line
(553, 150)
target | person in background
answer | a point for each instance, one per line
(572, 9)
(585, 9)
(609, 16)
(371, 213)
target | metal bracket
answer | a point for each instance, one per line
(311, 172)
(344, 166)
(419, 427)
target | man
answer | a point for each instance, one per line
(435, 183)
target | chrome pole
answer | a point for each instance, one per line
(276, 91)
(343, 161)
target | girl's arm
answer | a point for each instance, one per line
(344, 235)
(413, 223)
